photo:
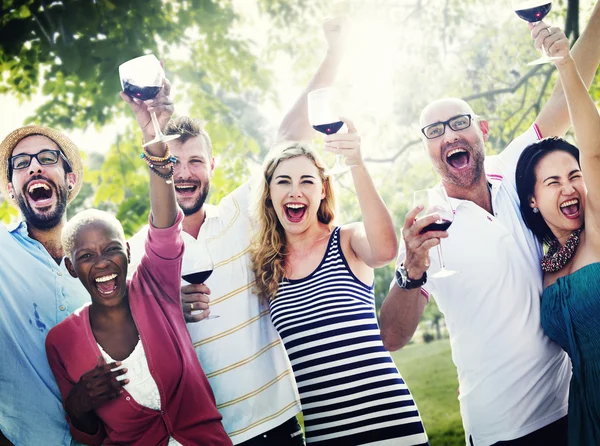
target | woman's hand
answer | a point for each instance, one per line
(162, 105)
(95, 388)
(346, 144)
(553, 39)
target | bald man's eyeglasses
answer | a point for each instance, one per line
(456, 123)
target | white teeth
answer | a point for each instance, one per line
(295, 206)
(37, 186)
(569, 203)
(454, 151)
(106, 278)
(184, 187)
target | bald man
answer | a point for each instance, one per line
(513, 380)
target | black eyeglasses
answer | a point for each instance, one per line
(45, 157)
(456, 123)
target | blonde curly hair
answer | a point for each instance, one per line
(268, 248)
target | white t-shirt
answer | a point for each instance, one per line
(513, 379)
(240, 352)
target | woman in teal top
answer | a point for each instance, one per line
(563, 211)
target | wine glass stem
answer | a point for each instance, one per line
(439, 250)
(156, 126)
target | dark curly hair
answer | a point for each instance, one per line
(525, 179)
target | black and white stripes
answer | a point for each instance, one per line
(350, 389)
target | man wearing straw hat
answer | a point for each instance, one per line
(40, 173)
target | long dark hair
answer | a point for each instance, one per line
(525, 179)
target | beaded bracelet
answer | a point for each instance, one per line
(158, 159)
(166, 176)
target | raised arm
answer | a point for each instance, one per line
(162, 191)
(586, 124)
(553, 119)
(376, 244)
(295, 125)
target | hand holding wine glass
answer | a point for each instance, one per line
(324, 116)
(418, 242)
(345, 144)
(196, 268)
(146, 90)
(553, 40)
(437, 209)
(534, 11)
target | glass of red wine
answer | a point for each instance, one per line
(324, 117)
(435, 201)
(142, 78)
(196, 268)
(533, 11)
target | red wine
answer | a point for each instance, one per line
(534, 14)
(142, 93)
(440, 225)
(329, 129)
(197, 278)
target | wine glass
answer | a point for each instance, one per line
(533, 11)
(142, 78)
(435, 201)
(196, 268)
(324, 117)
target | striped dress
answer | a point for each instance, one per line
(350, 389)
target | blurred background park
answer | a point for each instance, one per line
(240, 64)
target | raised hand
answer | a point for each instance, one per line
(162, 105)
(95, 388)
(418, 244)
(553, 39)
(195, 298)
(336, 32)
(345, 144)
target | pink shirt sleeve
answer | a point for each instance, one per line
(162, 260)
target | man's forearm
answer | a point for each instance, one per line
(400, 314)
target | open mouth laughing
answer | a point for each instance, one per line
(186, 189)
(106, 285)
(40, 193)
(458, 158)
(570, 208)
(294, 212)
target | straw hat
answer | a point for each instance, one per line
(67, 146)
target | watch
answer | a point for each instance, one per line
(405, 282)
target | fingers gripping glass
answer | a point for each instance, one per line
(533, 11)
(456, 123)
(45, 158)
(435, 201)
(324, 116)
(196, 268)
(142, 78)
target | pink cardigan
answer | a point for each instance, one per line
(188, 411)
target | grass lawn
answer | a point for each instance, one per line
(431, 376)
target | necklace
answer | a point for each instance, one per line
(557, 256)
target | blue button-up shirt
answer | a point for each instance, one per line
(35, 295)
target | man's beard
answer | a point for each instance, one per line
(196, 205)
(477, 157)
(47, 220)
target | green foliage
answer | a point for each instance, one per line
(78, 46)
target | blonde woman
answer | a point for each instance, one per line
(318, 280)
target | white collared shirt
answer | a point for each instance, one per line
(240, 352)
(513, 378)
